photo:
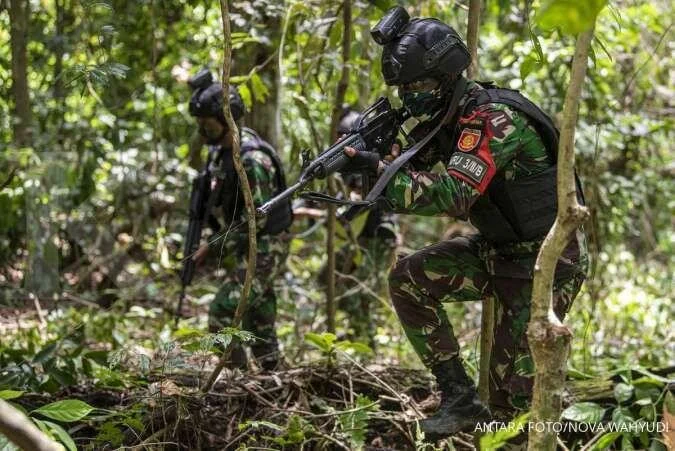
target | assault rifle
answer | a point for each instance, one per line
(199, 212)
(375, 131)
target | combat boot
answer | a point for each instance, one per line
(460, 408)
(267, 353)
(238, 357)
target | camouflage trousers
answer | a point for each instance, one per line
(261, 313)
(469, 269)
(376, 258)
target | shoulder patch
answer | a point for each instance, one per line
(469, 139)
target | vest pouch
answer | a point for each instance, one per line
(490, 221)
(531, 203)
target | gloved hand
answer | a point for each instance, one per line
(361, 161)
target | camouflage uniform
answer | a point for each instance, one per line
(272, 252)
(503, 143)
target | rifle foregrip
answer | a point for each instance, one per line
(335, 158)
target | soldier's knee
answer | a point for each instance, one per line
(400, 272)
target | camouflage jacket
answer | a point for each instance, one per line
(261, 174)
(498, 139)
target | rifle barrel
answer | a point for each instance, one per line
(288, 192)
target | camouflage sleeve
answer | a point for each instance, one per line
(492, 138)
(261, 175)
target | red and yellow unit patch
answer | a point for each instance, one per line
(469, 139)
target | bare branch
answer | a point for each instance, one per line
(22, 432)
(246, 190)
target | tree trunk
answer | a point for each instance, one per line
(472, 36)
(335, 121)
(550, 339)
(22, 432)
(18, 16)
(488, 314)
(246, 190)
(263, 117)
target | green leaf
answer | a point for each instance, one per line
(295, 430)
(528, 66)
(67, 410)
(10, 394)
(58, 432)
(570, 16)
(626, 444)
(623, 392)
(245, 94)
(606, 440)
(45, 353)
(6, 445)
(669, 403)
(259, 88)
(357, 347)
(584, 412)
(188, 332)
(359, 223)
(182, 151)
(318, 341)
(495, 440)
(621, 416)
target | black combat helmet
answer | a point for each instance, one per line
(207, 98)
(418, 48)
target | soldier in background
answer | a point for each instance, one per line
(266, 179)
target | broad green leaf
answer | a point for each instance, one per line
(570, 16)
(318, 341)
(606, 440)
(528, 66)
(58, 432)
(584, 412)
(359, 222)
(623, 392)
(10, 394)
(67, 410)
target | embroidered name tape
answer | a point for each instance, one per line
(468, 165)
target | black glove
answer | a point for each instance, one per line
(362, 161)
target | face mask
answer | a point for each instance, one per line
(422, 105)
(212, 135)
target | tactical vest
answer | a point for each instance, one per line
(523, 209)
(279, 218)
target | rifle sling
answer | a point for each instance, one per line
(374, 195)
